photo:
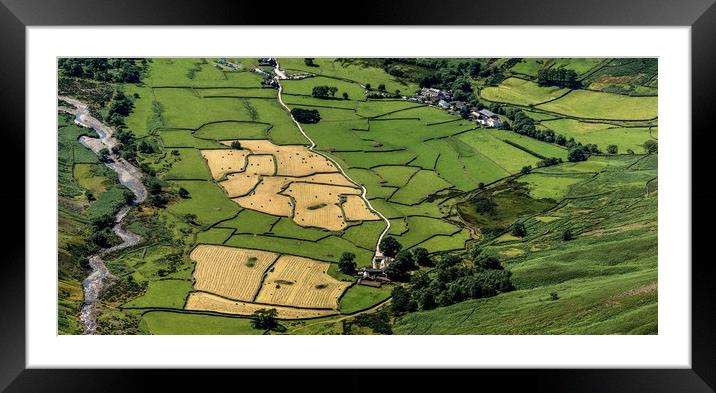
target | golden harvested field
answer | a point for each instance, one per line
(208, 302)
(301, 282)
(335, 179)
(257, 164)
(355, 209)
(288, 181)
(266, 198)
(318, 205)
(291, 160)
(239, 184)
(235, 273)
(225, 161)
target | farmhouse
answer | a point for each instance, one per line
(371, 277)
(444, 104)
(486, 118)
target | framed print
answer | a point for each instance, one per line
(468, 191)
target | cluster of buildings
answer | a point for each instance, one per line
(371, 277)
(444, 100)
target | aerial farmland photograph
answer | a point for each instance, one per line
(356, 196)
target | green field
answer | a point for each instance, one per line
(601, 134)
(521, 92)
(164, 322)
(165, 293)
(208, 202)
(360, 297)
(597, 105)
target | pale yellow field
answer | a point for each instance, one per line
(260, 165)
(290, 160)
(334, 179)
(355, 209)
(318, 205)
(208, 302)
(235, 273)
(288, 181)
(223, 161)
(301, 282)
(266, 198)
(239, 184)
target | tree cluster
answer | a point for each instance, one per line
(324, 91)
(306, 116)
(109, 70)
(559, 76)
(454, 280)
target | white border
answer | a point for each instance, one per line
(670, 348)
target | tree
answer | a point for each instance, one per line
(236, 145)
(389, 246)
(651, 146)
(347, 263)
(519, 230)
(553, 296)
(191, 218)
(104, 154)
(324, 91)
(309, 62)
(154, 185)
(401, 301)
(381, 87)
(485, 261)
(145, 147)
(264, 319)
(183, 193)
(577, 153)
(484, 204)
(306, 116)
(612, 149)
(422, 258)
(345, 95)
(367, 86)
(567, 235)
(426, 299)
(526, 170)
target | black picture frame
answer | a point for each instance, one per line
(700, 15)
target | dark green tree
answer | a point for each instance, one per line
(264, 319)
(236, 145)
(389, 246)
(422, 258)
(402, 301)
(577, 153)
(567, 235)
(519, 229)
(104, 155)
(612, 149)
(651, 146)
(346, 263)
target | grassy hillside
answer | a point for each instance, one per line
(604, 280)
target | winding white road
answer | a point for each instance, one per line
(282, 75)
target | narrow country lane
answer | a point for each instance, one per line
(282, 75)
